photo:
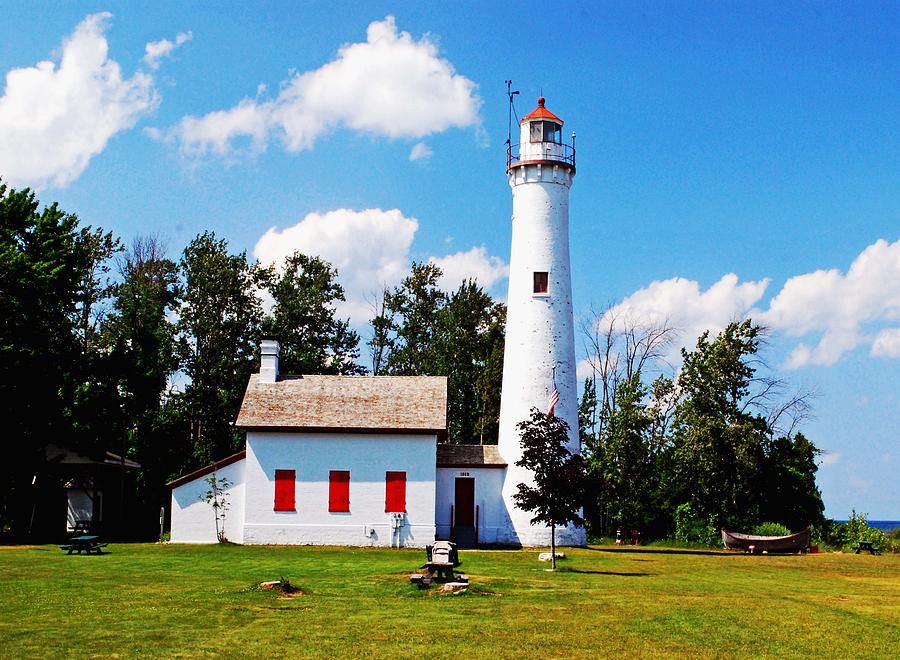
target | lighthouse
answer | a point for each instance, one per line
(540, 338)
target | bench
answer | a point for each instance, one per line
(82, 527)
(866, 545)
(85, 544)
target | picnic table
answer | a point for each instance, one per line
(86, 543)
(866, 545)
(442, 559)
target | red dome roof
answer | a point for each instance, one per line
(541, 112)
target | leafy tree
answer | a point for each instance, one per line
(303, 319)
(625, 463)
(559, 476)
(469, 350)
(217, 498)
(412, 313)
(45, 262)
(220, 320)
(95, 249)
(90, 393)
(423, 331)
(382, 325)
(145, 352)
(618, 349)
(789, 472)
(719, 440)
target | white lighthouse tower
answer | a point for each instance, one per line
(540, 337)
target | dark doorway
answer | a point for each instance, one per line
(464, 512)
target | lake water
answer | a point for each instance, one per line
(883, 525)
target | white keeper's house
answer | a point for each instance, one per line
(364, 460)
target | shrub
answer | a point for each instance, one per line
(771, 529)
(848, 535)
(691, 529)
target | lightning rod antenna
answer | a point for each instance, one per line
(509, 94)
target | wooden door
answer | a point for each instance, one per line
(464, 512)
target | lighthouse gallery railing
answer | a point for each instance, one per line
(562, 153)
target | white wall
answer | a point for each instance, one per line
(367, 457)
(193, 520)
(488, 498)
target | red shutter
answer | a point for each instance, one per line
(395, 492)
(284, 490)
(339, 490)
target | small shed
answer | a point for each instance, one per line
(77, 491)
(470, 508)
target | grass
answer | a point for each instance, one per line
(202, 601)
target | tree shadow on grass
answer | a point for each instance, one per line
(662, 551)
(618, 573)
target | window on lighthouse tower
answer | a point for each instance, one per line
(541, 282)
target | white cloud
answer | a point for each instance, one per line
(56, 118)
(686, 307)
(840, 311)
(390, 85)
(829, 458)
(156, 50)
(887, 343)
(420, 151)
(217, 131)
(843, 309)
(370, 249)
(475, 263)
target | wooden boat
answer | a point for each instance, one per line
(798, 542)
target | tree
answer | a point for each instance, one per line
(145, 353)
(411, 312)
(617, 348)
(90, 394)
(380, 341)
(423, 331)
(469, 351)
(625, 463)
(723, 454)
(558, 492)
(217, 498)
(95, 249)
(624, 447)
(220, 320)
(789, 470)
(303, 319)
(46, 264)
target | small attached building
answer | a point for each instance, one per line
(469, 509)
(334, 460)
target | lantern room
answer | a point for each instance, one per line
(541, 141)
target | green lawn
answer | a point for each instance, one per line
(199, 601)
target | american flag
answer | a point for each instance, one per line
(554, 399)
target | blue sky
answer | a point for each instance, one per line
(733, 159)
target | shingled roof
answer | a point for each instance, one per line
(464, 456)
(387, 404)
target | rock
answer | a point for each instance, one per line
(548, 556)
(454, 587)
